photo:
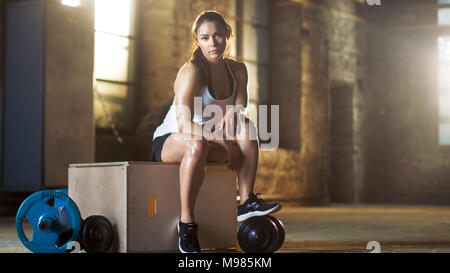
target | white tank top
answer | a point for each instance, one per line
(169, 125)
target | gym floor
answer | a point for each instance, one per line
(338, 228)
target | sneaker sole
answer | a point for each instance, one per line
(243, 217)
(179, 245)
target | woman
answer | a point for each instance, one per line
(219, 81)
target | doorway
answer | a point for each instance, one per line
(341, 182)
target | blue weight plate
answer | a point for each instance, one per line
(64, 190)
(55, 205)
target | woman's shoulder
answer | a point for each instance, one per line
(189, 72)
(189, 69)
(188, 78)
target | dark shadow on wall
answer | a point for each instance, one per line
(341, 183)
(144, 132)
(134, 147)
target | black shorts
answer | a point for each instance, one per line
(157, 145)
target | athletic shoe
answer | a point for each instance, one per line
(187, 237)
(255, 206)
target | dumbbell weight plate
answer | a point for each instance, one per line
(281, 231)
(55, 220)
(97, 234)
(258, 234)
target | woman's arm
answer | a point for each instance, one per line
(231, 118)
(242, 78)
(187, 85)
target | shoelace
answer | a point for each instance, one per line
(256, 198)
(189, 235)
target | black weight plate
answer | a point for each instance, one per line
(97, 234)
(258, 234)
(281, 231)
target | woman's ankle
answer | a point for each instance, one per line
(187, 219)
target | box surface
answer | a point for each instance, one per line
(142, 201)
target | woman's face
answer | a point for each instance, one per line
(212, 40)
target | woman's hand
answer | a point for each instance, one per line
(234, 154)
(230, 122)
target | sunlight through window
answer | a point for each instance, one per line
(71, 3)
(114, 63)
(444, 89)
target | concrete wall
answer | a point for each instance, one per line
(2, 72)
(332, 45)
(285, 70)
(69, 57)
(68, 128)
(386, 57)
(255, 53)
(349, 36)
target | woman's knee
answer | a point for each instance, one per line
(197, 149)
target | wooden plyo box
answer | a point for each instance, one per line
(142, 201)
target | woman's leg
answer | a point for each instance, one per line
(249, 159)
(191, 154)
(250, 204)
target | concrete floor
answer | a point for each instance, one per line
(349, 228)
(338, 228)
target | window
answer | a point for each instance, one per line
(114, 75)
(444, 89)
(444, 16)
(443, 74)
(71, 3)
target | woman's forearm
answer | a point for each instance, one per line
(198, 131)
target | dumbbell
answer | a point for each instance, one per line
(56, 222)
(261, 234)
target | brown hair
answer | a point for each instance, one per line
(197, 58)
